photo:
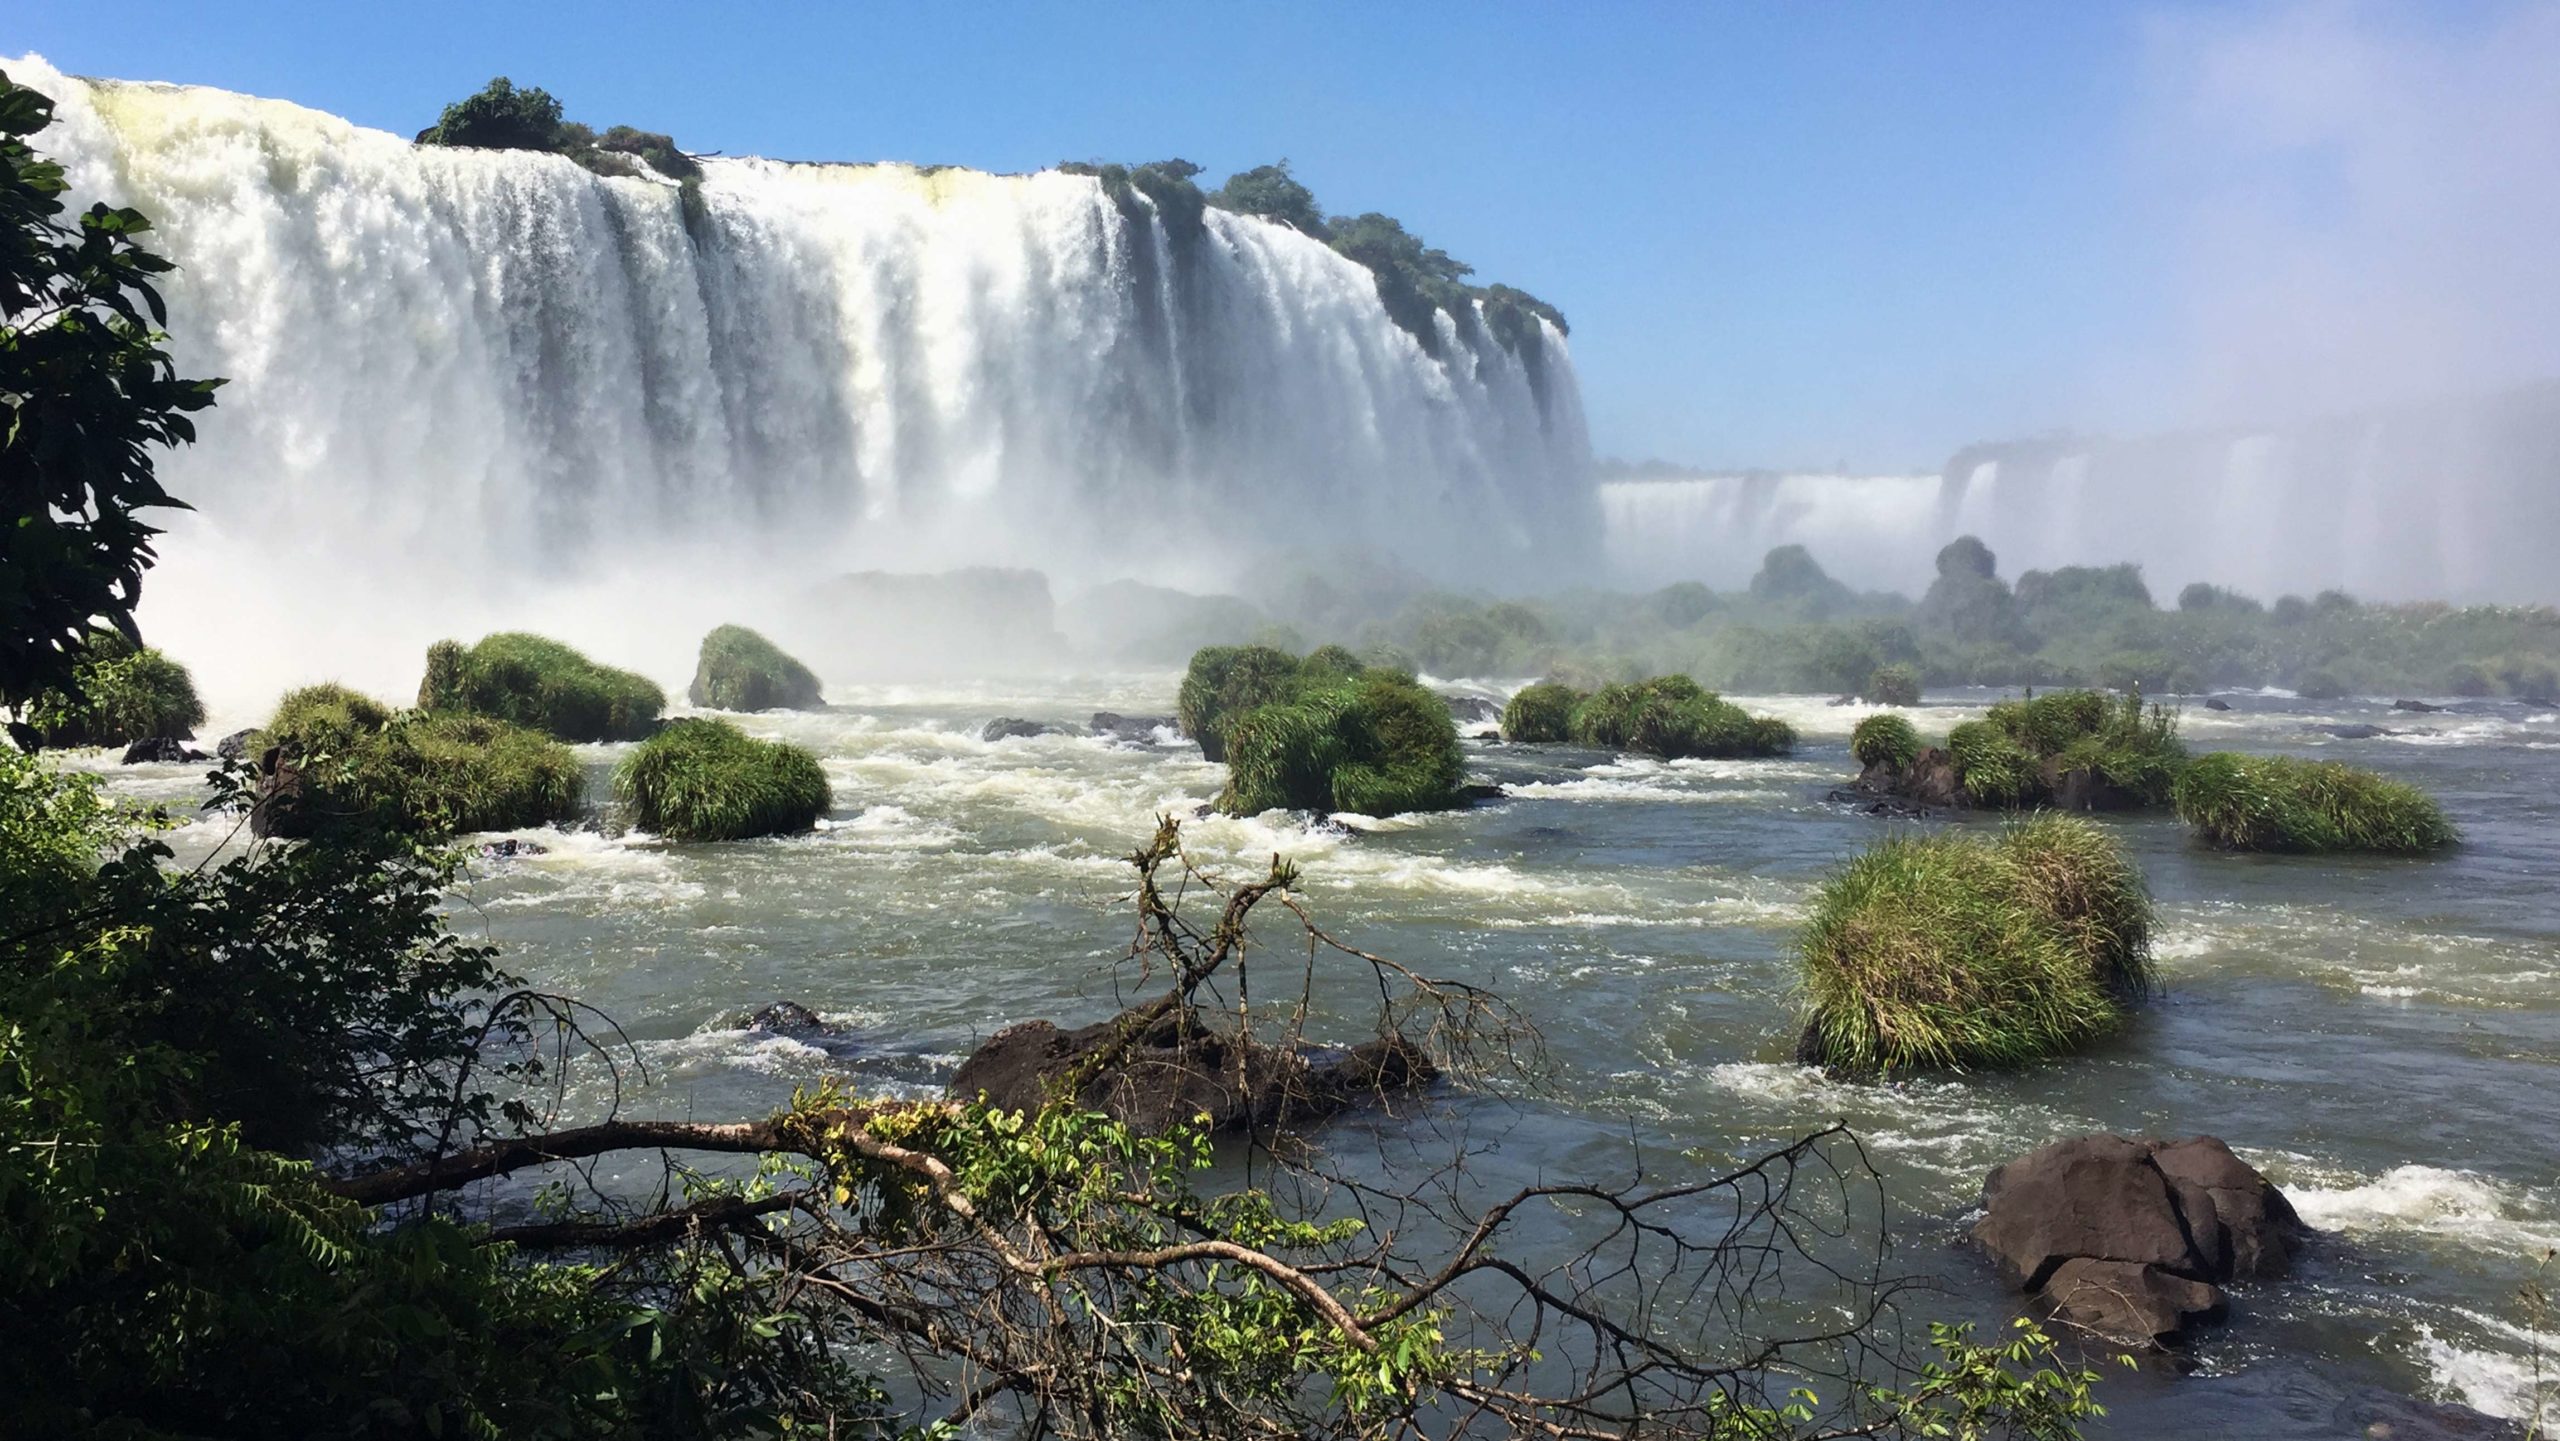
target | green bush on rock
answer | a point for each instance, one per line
(741, 670)
(2285, 803)
(1955, 950)
(118, 695)
(532, 680)
(345, 759)
(706, 780)
(1225, 681)
(2078, 748)
(1672, 717)
(1541, 714)
(1377, 745)
(1885, 740)
(1895, 684)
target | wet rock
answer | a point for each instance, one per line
(2215, 702)
(276, 799)
(790, 1018)
(1132, 729)
(161, 750)
(2350, 732)
(1928, 783)
(1480, 793)
(1154, 1075)
(25, 737)
(510, 849)
(2088, 790)
(235, 746)
(1472, 710)
(2387, 1416)
(1015, 728)
(2416, 705)
(1841, 700)
(2134, 1239)
(1890, 807)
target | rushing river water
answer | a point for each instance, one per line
(2381, 1037)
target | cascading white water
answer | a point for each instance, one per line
(476, 388)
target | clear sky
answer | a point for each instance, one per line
(1785, 234)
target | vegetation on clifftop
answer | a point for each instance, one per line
(1951, 949)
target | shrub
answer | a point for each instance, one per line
(2017, 752)
(1378, 745)
(118, 695)
(1885, 740)
(535, 681)
(1954, 950)
(1894, 685)
(1992, 767)
(423, 773)
(1674, 718)
(2285, 803)
(1225, 681)
(706, 780)
(1541, 713)
(500, 117)
(1330, 662)
(741, 670)
(1271, 192)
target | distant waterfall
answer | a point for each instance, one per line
(460, 372)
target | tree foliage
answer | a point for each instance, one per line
(87, 395)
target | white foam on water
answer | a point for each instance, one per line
(2479, 1212)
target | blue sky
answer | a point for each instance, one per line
(1785, 234)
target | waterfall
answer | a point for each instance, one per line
(474, 387)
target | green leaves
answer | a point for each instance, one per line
(86, 397)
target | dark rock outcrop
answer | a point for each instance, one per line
(161, 750)
(2215, 702)
(1132, 729)
(2416, 705)
(1928, 783)
(1472, 710)
(1014, 727)
(235, 746)
(510, 849)
(789, 1018)
(1166, 1072)
(2350, 732)
(2134, 1239)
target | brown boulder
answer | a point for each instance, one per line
(2140, 1304)
(1177, 1069)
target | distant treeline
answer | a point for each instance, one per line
(1798, 628)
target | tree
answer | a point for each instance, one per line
(86, 395)
(1271, 192)
(501, 117)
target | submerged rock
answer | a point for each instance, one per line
(511, 848)
(2357, 732)
(1134, 729)
(1176, 1069)
(790, 1018)
(161, 750)
(1015, 728)
(1472, 710)
(2134, 1239)
(2215, 702)
(2416, 705)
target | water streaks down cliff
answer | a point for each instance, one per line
(474, 370)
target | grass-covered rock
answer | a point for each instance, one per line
(345, 759)
(706, 780)
(1674, 718)
(1959, 950)
(1895, 684)
(1885, 740)
(535, 681)
(2076, 749)
(2285, 803)
(1377, 744)
(1541, 714)
(1226, 681)
(119, 694)
(741, 670)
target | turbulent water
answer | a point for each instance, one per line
(2448, 501)
(466, 381)
(2383, 1037)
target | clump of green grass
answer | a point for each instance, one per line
(119, 694)
(741, 670)
(1884, 739)
(2021, 751)
(1955, 950)
(1994, 769)
(535, 681)
(423, 773)
(1895, 684)
(1541, 714)
(1224, 682)
(1330, 662)
(706, 780)
(1674, 718)
(1378, 745)
(2286, 803)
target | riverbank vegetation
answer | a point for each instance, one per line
(118, 693)
(741, 670)
(2286, 803)
(1375, 743)
(1950, 949)
(700, 779)
(501, 116)
(344, 761)
(534, 681)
